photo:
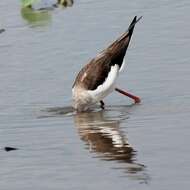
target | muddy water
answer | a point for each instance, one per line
(142, 146)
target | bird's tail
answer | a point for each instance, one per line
(129, 31)
(132, 25)
(119, 47)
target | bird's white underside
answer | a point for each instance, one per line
(83, 98)
(117, 139)
(107, 87)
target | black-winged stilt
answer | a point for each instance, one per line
(97, 79)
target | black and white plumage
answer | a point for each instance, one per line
(97, 79)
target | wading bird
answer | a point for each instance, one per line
(97, 79)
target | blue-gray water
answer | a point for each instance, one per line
(142, 146)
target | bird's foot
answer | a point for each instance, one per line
(102, 104)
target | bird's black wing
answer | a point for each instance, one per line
(95, 73)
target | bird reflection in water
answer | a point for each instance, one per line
(41, 15)
(104, 137)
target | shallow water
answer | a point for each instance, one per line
(143, 146)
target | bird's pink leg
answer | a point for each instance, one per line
(135, 98)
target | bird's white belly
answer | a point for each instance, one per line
(84, 99)
(107, 87)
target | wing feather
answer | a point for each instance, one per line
(94, 73)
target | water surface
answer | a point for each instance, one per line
(142, 146)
